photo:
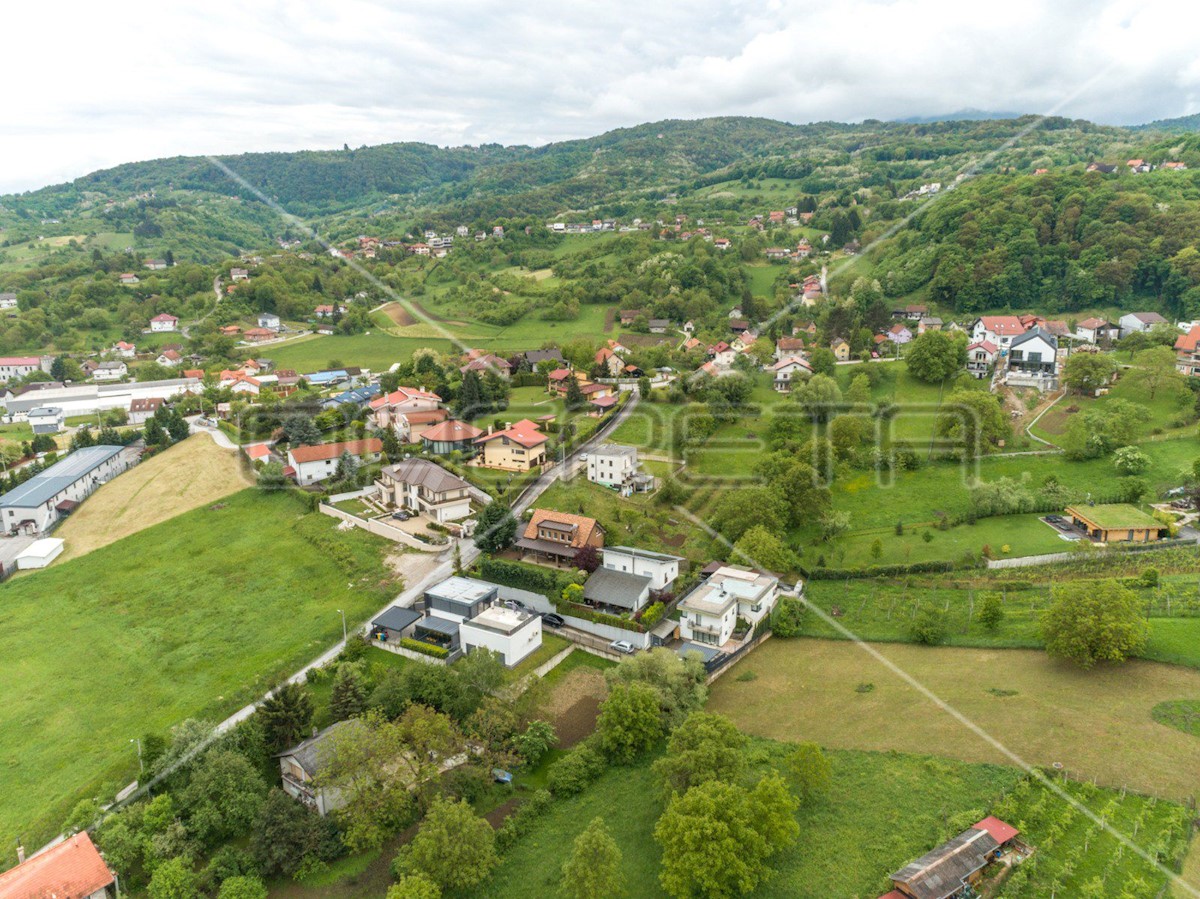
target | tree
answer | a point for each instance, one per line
(629, 721)
(1088, 372)
(224, 796)
(301, 430)
(174, 879)
(154, 433)
(832, 523)
(1094, 621)
(810, 769)
(991, 611)
(347, 699)
(643, 387)
(288, 832)
(470, 396)
(823, 361)
(537, 739)
(271, 476)
(177, 426)
(859, 393)
(936, 355)
(286, 716)
(973, 419)
(1101, 430)
(762, 549)
(1154, 369)
(704, 747)
(787, 620)
(587, 558)
(716, 838)
(454, 847)
(593, 870)
(496, 528)
(242, 887)
(679, 683)
(414, 886)
(929, 627)
(347, 467)
(575, 400)
(737, 511)
(819, 396)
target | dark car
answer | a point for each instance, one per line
(552, 620)
(401, 516)
(515, 604)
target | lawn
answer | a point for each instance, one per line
(190, 474)
(1098, 723)
(193, 617)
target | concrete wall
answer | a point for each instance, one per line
(384, 530)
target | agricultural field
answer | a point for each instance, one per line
(193, 617)
(1098, 724)
(190, 474)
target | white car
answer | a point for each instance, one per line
(623, 646)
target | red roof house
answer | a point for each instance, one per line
(71, 870)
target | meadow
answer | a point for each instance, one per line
(193, 617)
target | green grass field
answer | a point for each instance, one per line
(193, 617)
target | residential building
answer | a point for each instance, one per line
(258, 335)
(426, 488)
(329, 310)
(558, 536)
(518, 447)
(313, 464)
(1096, 330)
(788, 346)
(387, 410)
(1187, 351)
(956, 866)
(45, 419)
(1034, 353)
(709, 613)
(613, 465)
(533, 357)
(300, 766)
(722, 354)
(458, 598)
(1133, 322)
(998, 330)
(270, 321)
(450, 436)
(617, 592)
(899, 334)
(510, 633)
(128, 279)
(659, 325)
(239, 274)
(72, 869)
(486, 363)
(981, 356)
(607, 359)
(124, 350)
(841, 350)
(20, 366)
(788, 370)
(110, 371)
(662, 569)
(36, 505)
(169, 358)
(155, 265)
(163, 322)
(8, 300)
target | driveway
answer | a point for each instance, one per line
(10, 548)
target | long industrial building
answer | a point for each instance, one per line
(87, 399)
(36, 505)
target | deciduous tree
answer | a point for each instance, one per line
(593, 870)
(1094, 621)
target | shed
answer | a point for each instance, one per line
(40, 553)
(394, 624)
(617, 589)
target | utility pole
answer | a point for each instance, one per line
(138, 743)
(343, 614)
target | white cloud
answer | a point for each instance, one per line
(91, 87)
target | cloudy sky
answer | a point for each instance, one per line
(91, 85)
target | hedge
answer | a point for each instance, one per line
(590, 614)
(523, 577)
(424, 648)
(835, 574)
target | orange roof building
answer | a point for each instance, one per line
(71, 870)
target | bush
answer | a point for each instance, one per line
(929, 627)
(575, 771)
(788, 617)
(521, 821)
(653, 614)
(522, 577)
(425, 648)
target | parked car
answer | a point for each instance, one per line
(623, 646)
(401, 515)
(550, 619)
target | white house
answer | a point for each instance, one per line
(661, 568)
(31, 507)
(612, 464)
(110, 371)
(425, 487)
(270, 321)
(163, 322)
(709, 613)
(169, 358)
(787, 370)
(45, 419)
(239, 274)
(143, 408)
(124, 350)
(1094, 330)
(998, 330)
(20, 366)
(313, 464)
(8, 301)
(981, 356)
(1133, 322)
(510, 633)
(1033, 354)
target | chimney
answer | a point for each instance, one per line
(20, 853)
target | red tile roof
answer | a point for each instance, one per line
(163, 317)
(71, 870)
(584, 526)
(1001, 325)
(524, 432)
(1000, 831)
(324, 451)
(401, 394)
(1187, 342)
(425, 416)
(452, 432)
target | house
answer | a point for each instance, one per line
(776, 252)
(1138, 165)
(1187, 351)
(421, 486)
(1174, 166)
(722, 243)
(258, 335)
(899, 334)
(788, 346)
(88, 367)
(952, 869)
(72, 869)
(313, 464)
(840, 349)
(518, 447)
(534, 357)
(558, 536)
(257, 452)
(1116, 523)
(327, 310)
(243, 383)
(1034, 353)
(124, 350)
(629, 316)
(722, 354)
(981, 356)
(163, 322)
(998, 330)
(709, 612)
(450, 436)
(1096, 330)
(662, 569)
(787, 370)
(110, 371)
(34, 506)
(487, 363)
(129, 279)
(659, 325)
(269, 321)
(389, 410)
(1133, 322)
(458, 598)
(1102, 167)
(616, 466)
(45, 419)
(929, 323)
(239, 274)
(607, 359)
(8, 300)
(301, 765)
(169, 358)
(617, 592)
(510, 633)
(230, 330)
(154, 264)
(20, 366)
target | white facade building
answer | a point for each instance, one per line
(45, 419)
(659, 567)
(110, 371)
(32, 507)
(20, 366)
(511, 633)
(710, 612)
(611, 464)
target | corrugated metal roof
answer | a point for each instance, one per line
(44, 486)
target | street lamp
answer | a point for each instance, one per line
(138, 743)
(343, 614)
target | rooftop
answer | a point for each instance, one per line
(728, 585)
(322, 451)
(500, 619)
(397, 618)
(1115, 515)
(424, 473)
(616, 588)
(613, 449)
(462, 589)
(44, 486)
(71, 870)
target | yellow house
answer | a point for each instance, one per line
(1116, 522)
(519, 447)
(841, 350)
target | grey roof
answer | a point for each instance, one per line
(616, 588)
(461, 589)
(424, 473)
(446, 626)
(312, 753)
(644, 553)
(707, 653)
(548, 547)
(533, 357)
(397, 618)
(1033, 332)
(1148, 318)
(58, 477)
(45, 410)
(613, 449)
(941, 872)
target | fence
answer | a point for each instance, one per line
(724, 664)
(383, 530)
(1027, 561)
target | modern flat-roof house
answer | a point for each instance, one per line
(558, 536)
(395, 624)
(710, 611)
(952, 869)
(425, 487)
(1117, 523)
(45, 419)
(300, 766)
(1033, 359)
(313, 464)
(661, 568)
(73, 869)
(36, 505)
(616, 465)
(616, 591)
(519, 447)
(458, 598)
(510, 633)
